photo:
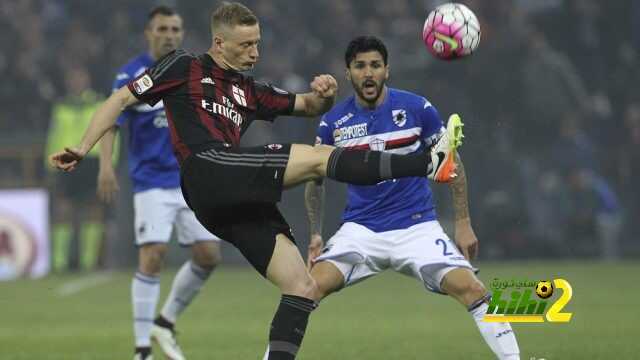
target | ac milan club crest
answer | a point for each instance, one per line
(274, 146)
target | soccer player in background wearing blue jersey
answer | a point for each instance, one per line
(393, 224)
(158, 201)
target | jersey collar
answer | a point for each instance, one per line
(218, 71)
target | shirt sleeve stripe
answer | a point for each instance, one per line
(159, 70)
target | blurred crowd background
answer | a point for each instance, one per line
(550, 100)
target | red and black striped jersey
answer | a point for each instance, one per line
(205, 104)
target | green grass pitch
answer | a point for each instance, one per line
(387, 317)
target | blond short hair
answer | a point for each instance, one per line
(230, 14)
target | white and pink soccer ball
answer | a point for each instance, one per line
(451, 31)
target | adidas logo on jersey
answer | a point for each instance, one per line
(207, 80)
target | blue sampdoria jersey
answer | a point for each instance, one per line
(405, 123)
(151, 160)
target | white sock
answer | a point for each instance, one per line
(145, 291)
(185, 287)
(499, 336)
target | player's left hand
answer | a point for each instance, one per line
(107, 184)
(324, 86)
(466, 239)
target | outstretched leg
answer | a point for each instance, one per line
(463, 285)
(352, 166)
(360, 167)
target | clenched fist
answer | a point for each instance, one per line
(325, 86)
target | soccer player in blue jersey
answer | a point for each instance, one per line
(158, 201)
(393, 224)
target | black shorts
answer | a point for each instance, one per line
(234, 191)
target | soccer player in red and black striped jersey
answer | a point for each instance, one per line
(233, 190)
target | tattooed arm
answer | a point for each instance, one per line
(314, 202)
(465, 237)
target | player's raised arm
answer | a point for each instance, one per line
(103, 119)
(324, 89)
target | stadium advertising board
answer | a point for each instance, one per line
(24, 233)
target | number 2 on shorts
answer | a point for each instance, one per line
(444, 247)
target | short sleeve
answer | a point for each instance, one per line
(162, 78)
(273, 101)
(324, 135)
(430, 120)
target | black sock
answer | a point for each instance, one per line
(143, 350)
(162, 322)
(288, 327)
(370, 167)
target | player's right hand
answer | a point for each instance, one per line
(107, 184)
(324, 86)
(314, 250)
(66, 160)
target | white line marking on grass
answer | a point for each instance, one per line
(75, 286)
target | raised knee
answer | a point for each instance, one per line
(322, 154)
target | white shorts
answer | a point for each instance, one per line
(422, 251)
(156, 213)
